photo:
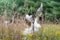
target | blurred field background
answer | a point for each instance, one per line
(12, 19)
(14, 32)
